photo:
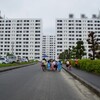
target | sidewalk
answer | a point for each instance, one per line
(92, 81)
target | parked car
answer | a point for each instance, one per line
(3, 60)
(24, 60)
(11, 59)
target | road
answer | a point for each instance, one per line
(31, 83)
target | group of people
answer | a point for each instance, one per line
(51, 65)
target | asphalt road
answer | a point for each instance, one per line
(31, 83)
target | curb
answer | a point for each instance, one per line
(87, 84)
(14, 67)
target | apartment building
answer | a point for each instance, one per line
(48, 46)
(70, 30)
(22, 37)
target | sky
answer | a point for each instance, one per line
(48, 10)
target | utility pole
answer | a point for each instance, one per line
(12, 48)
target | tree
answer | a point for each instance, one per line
(98, 52)
(73, 52)
(66, 54)
(62, 55)
(93, 45)
(80, 49)
(8, 54)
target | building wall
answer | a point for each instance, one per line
(70, 30)
(22, 37)
(48, 46)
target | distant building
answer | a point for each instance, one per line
(70, 30)
(22, 37)
(48, 46)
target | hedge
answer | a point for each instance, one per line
(88, 65)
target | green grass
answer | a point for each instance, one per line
(16, 64)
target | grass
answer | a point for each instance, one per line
(16, 64)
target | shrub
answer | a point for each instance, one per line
(89, 65)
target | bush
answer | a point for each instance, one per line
(89, 65)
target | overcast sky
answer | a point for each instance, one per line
(48, 10)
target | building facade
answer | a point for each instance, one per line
(70, 30)
(21, 37)
(24, 37)
(48, 46)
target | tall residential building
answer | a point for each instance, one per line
(70, 30)
(48, 46)
(22, 37)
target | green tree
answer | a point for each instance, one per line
(8, 54)
(66, 54)
(93, 45)
(62, 55)
(98, 52)
(73, 52)
(80, 49)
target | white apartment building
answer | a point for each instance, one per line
(22, 37)
(48, 46)
(70, 30)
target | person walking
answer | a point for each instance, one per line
(59, 66)
(48, 65)
(52, 66)
(55, 65)
(67, 64)
(76, 63)
(44, 64)
(70, 65)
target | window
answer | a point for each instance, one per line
(37, 45)
(37, 20)
(59, 34)
(59, 24)
(59, 42)
(26, 20)
(37, 27)
(59, 20)
(37, 34)
(37, 38)
(59, 27)
(59, 31)
(37, 31)
(37, 49)
(59, 46)
(59, 38)
(37, 24)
